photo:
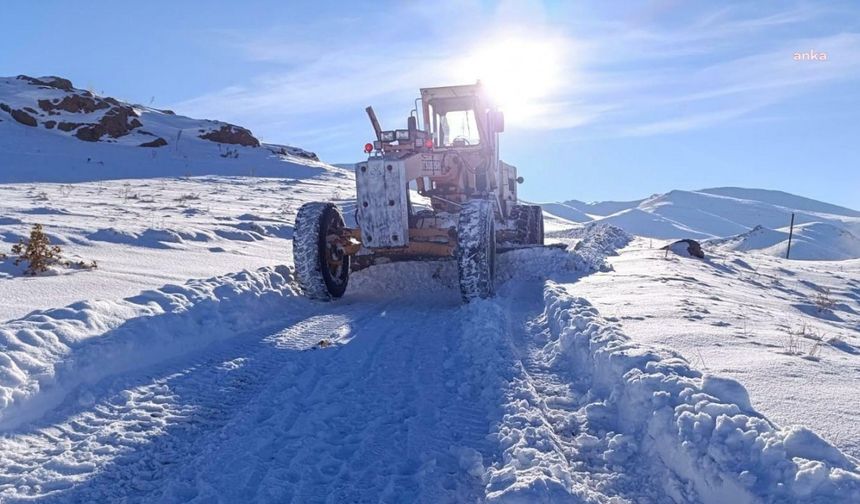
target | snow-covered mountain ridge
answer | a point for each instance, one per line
(51, 131)
(728, 216)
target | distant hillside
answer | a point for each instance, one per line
(813, 241)
(738, 218)
(51, 131)
(599, 208)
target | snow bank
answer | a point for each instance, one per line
(702, 430)
(47, 354)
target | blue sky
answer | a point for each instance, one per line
(617, 100)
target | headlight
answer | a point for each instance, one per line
(387, 136)
(402, 134)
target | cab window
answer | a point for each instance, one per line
(458, 127)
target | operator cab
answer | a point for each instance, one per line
(460, 116)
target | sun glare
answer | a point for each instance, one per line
(517, 73)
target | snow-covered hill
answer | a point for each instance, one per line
(733, 217)
(53, 132)
(811, 241)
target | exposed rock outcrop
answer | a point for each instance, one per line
(116, 119)
(158, 142)
(49, 81)
(231, 134)
(23, 117)
(686, 247)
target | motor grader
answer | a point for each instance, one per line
(448, 158)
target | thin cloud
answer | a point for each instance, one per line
(621, 78)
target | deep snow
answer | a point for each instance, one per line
(788, 330)
(236, 389)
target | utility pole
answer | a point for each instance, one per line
(790, 234)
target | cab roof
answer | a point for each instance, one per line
(461, 91)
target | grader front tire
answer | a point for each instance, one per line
(476, 250)
(322, 269)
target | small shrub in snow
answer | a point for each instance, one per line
(37, 251)
(187, 197)
(824, 300)
(233, 154)
(126, 193)
(39, 254)
(794, 343)
(814, 350)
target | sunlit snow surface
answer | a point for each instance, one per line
(150, 387)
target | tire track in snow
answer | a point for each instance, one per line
(144, 426)
(377, 423)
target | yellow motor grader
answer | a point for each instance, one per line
(448, 157)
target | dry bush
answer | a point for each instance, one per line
(795, 342)
(184, 198)
(39, 254)
(37, 251)
(824, 300)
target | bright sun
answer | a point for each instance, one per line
(517, 73)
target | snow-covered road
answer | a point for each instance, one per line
(394, 406)
(397, 394)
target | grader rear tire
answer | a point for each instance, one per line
(322, 269)
(476, 250)
(529, 222)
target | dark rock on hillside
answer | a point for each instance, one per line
(230, 134)
(67, 126)
(49, 81)
(89, 133)
(115, 123)
(75, 103)
(686, 247)
(158, 142)
(293, 151)
(23, 117)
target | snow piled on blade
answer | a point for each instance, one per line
(700, 431)
(600, 241)
(47, 354)
(596, 243)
